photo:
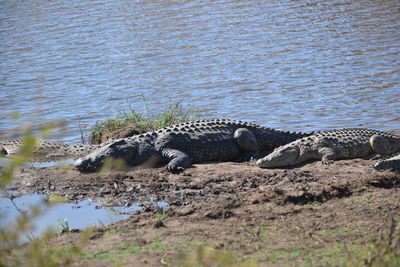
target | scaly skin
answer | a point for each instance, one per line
(392, 164)
(331, 145)
(48, 149)
(190, 142)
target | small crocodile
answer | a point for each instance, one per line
(47, 149)
(392, 164)
(190, 142)
(331, 145)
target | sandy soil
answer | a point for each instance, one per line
(312, 214)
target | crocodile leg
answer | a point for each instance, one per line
(247, 142)
(246, 139)
(380, 144)
(328, 155)
(178, 160)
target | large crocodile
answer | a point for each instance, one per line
(190, 142)
(392, 164)
(331, 145)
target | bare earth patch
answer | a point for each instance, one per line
(313, 214)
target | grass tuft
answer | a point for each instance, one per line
(209, 256)
(131, 122)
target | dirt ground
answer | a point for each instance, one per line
(230, 213)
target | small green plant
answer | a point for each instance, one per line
(160, 216)
(157, 244)
(63, 225)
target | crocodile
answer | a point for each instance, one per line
(182, 144)
(47, 149)
(331, 145)
(392, 164)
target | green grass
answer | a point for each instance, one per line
(175, 112)
(63, 225)
(285, 255)
(383, 251)
(208, 256)
(160, 217)
(131, 249)
(86, 254)
(157, 244)
(369, 251)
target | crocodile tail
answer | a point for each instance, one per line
(47, 149)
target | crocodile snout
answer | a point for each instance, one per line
(284, 156)
(87, 164)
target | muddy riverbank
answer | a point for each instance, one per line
(310, 214)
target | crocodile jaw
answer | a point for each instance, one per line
(88, 164)
(280, 157)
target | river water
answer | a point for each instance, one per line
(301, 65)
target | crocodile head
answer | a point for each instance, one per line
(280, 157)
(119, 152)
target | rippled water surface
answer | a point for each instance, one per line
(301, 65)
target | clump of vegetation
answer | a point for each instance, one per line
(131, 122)
(8, 171)
(160, 216)
(36, 252)
(209, 256)
(64, 225)
(384, 251)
